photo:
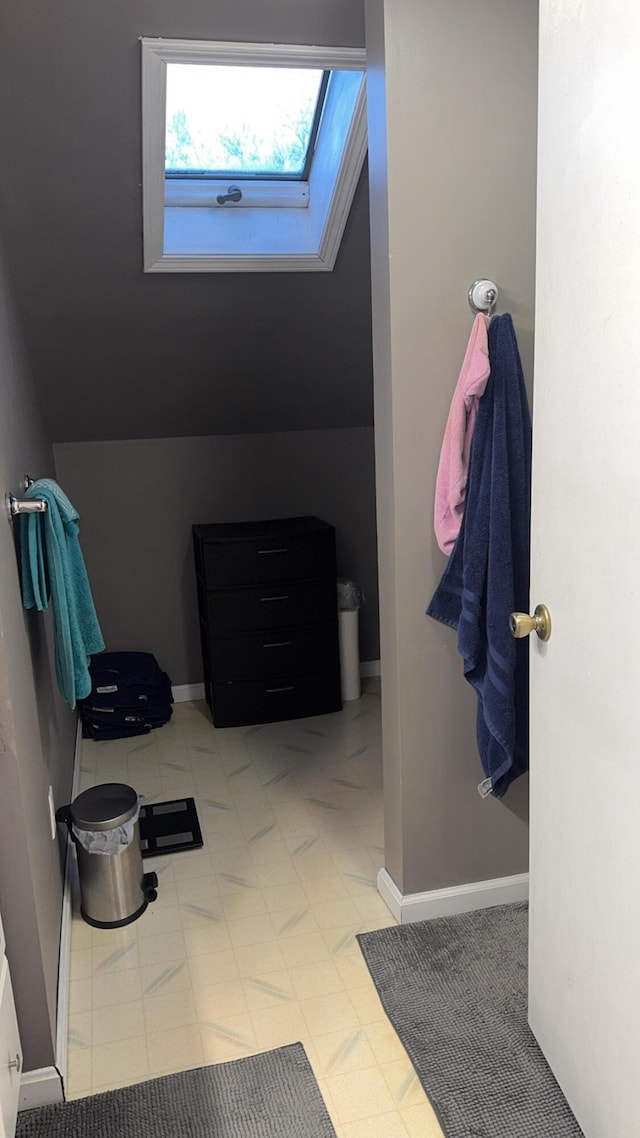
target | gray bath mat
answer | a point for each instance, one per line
(455, 989)
(273, 1095)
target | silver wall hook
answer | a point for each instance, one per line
(483, 296)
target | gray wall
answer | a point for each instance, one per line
(36, 728)
(452, 99)
(138, 501)
(119, 354)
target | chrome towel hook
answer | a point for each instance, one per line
(483, 296)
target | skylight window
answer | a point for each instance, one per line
(242, 122)
(251, 154)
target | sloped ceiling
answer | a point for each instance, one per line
(120, 354)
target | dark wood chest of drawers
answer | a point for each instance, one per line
(268, 619)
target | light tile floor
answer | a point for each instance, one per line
(251, 943)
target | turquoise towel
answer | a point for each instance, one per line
(52, 564)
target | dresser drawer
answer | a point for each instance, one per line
(265, 559)
(240, 703)
(294, 650)
(285, 606)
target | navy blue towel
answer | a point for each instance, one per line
(487, 575)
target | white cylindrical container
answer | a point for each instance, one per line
(349, 656)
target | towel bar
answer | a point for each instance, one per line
(17, 506)
(24, 505)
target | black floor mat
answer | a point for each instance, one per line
(169, 827)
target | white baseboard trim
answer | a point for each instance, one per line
(369, 667)
(64, 960)
(182, 693)
(42, 1087)
(64, 969)
(456, 899)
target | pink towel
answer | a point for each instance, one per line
(451, 483)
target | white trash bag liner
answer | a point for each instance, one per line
(109, 842)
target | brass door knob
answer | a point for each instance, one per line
(521, 624)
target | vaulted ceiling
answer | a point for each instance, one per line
(120, 354)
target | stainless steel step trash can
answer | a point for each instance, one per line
(103, 823)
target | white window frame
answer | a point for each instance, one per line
(280, 226)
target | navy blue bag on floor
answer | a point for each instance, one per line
(130, 695)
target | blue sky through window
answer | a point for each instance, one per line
(239, 120)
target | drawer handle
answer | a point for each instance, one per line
(284, 597)
(261, 552)
(289, 687)
(15, 1064)
(279, 644)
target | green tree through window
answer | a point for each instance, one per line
(251, 120)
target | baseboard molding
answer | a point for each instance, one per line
(42, 1087)
(64, 969)
(447, 902)
(64, 960)
(182, 693)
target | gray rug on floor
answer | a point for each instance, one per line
(273, 1095)
(455, 989)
